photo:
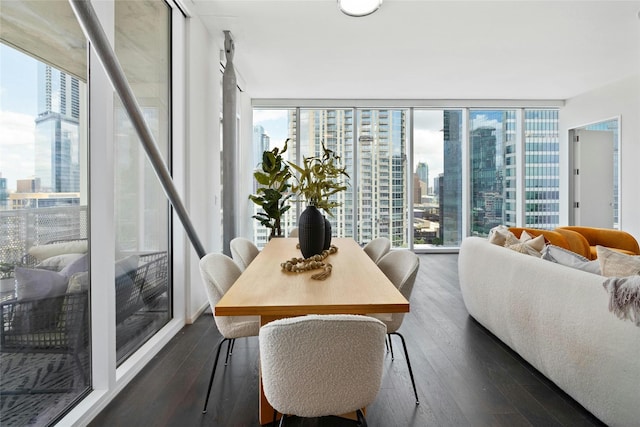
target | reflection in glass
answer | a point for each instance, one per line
(143, 291)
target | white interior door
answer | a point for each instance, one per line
(593, 173)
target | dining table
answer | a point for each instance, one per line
(355, 285)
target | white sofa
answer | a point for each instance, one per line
(556, 318)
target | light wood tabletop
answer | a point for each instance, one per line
(356, 286)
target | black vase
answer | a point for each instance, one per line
(311, 231)
(327, 234)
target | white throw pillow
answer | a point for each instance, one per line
(617, 264)
(570, 259)
(498, 235)
(530, 246)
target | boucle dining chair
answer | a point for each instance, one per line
(401, 268)
(377, 248)
(243, 251)
(219, 272)
(319, 365)
(293, 232)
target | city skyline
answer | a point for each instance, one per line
(39, 112)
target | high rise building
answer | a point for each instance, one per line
(4, 193)
(422, 170)
(57, 146)
(450, 185)
(381, 200)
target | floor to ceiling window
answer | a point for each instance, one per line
(271, 128)
(512, 175)
(437, 179)
(45, 339)
(492, 135)
(143, 297)
(333, 128)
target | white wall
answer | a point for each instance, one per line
(622, 99)
(203, 155)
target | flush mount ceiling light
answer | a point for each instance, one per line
(359, 7)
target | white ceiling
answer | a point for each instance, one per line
(423, 49)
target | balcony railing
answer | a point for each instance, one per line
(21, 229)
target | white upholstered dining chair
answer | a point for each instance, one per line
(377, 248)
(219, 272)
(243, 251)
(401, 268)
(320, 365)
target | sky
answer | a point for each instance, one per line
(18, 108)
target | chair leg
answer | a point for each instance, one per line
(390, 346)
(362, 422)
(230, 344)
(281, 421)
(406, 355)
(213, 373)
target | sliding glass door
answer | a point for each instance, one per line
(143, 297)
(45, 352)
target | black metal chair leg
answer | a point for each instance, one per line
(362, 422)
(229, 350)
(275, 416)
(406, 355)
(213, 373)
(391, 346)
(281, 421)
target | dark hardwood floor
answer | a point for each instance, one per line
(465, 376)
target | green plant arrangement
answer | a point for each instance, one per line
(320, 177)
(273, 176)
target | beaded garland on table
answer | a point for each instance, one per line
(297, 265)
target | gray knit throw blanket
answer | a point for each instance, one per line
(624, 297)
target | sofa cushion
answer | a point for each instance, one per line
(499, 234)
(529, 246)
(616, 264)
(58, 262)
(570, 259)
(42, 252)
(35, 283)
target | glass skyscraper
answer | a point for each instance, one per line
(57, 146)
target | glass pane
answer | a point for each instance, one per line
(437, 178)
(334, 129)
(492, 138)
(382, 205)
(271, 128)
(612, 126)
(143, 297)
(542, 169)
(44, 261)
